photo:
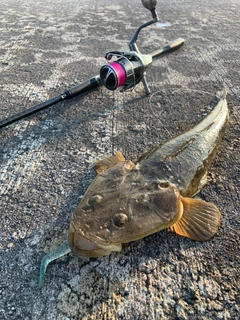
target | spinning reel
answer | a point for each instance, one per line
(125, 72)
(130, 68)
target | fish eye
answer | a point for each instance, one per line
(94, 200)
(164, 184)
(120, 219)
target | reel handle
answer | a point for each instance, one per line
(149, 4)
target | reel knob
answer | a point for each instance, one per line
(149, 4)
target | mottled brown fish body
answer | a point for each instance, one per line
(130, 200)
(185, 160)
(128, 208)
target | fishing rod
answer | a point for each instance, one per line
(124, 72)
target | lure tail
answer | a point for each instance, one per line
(60, 251)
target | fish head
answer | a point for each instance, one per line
(120, 206)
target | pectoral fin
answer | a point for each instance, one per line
(200, 220)
(108, 162)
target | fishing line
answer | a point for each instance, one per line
(125, 73)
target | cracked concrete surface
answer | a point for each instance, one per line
(47, 159)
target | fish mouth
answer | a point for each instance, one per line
(82, 246)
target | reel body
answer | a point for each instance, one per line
(126, 71)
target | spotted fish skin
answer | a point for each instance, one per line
(122, 190)
(152, 193)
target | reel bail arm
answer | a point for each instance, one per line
(129, 68)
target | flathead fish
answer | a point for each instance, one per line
(129, 200)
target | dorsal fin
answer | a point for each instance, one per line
(108, 162)
(200, 220)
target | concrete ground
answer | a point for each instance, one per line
(47, 159)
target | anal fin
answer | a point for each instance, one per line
(108, 162)
(200, 220)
